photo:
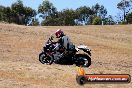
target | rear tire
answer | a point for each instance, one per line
(83, 60)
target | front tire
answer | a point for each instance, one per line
(83, 60)
(44, 59)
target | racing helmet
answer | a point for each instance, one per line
(59, 33)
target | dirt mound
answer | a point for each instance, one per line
(20, 45)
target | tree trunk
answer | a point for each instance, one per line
(124, 15)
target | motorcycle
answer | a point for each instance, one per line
(48, 55)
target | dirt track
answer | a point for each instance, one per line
(20, 45)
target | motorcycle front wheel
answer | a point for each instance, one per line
(44, 59)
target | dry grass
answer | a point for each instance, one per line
(20, 45)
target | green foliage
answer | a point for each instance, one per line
(46, 9)
(66, 17)
(2, 13)
(29, 13)
(129, 18)
(35, 22)
(50, 21)
(17, 13)
(84, 14)
(97, 21)
(5, 14)
(123, 5)
(96, 9)
(109, 20)
(99, 10)
(123, 22)
(102, 12)
(69, 17)
(18, 7)
(87, 14)
(49, 14)
(20, 14)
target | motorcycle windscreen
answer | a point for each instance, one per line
(53, 38)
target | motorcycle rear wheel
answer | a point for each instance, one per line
(83, 60)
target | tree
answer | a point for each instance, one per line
(84, 14)
(123, 5)
(17, 12)
(7, 14)
(65, 17)
(81, 15)
(69, 17)
(2, 14)
(129, 18)
(52, 22)
(102, 12)
(35, 22)
(18, 7)
(29, 13)
(48, 13)
(46, 9)
(99, 10)
(109, 20)
(97, 21)
(96, 9)
(21, 14)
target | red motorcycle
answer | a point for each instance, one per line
(48, 55)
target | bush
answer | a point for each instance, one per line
(123, 22)
(97, 21)
(129, 18)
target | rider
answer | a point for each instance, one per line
(63, 41)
